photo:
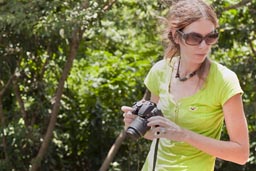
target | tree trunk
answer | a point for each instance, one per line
(113, 150)
(20, 101)
(2, 117)
(74, 45)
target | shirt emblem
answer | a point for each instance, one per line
(193, 108)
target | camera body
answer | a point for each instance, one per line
(144, 110)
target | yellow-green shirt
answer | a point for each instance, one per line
(201, 113)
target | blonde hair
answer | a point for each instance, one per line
(181, 14)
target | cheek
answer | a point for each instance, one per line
(187, 49)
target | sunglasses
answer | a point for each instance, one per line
(195, 39)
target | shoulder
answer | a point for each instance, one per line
(157, 75)
(163, 65)
(224, 82)
(158, 69)
(223, 73)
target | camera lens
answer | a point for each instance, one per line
(137, 128)
(133, 133)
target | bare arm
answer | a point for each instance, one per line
(235, 150)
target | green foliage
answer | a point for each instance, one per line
(121, 41)
(236, 50)
(102, 85)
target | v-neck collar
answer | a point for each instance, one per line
(171, 64)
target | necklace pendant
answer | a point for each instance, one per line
(177, 75)
(183, 79)
(187, 76)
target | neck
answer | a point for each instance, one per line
(190, 72)
(187, 67)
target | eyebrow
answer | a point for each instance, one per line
(214, 31)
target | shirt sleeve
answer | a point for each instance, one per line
(154, 76)
(230, 86)
(152, 81)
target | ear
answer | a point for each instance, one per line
(175, 37)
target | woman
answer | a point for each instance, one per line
(196, 95)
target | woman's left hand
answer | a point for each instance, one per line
(164, 128)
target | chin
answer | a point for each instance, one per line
(199, 58)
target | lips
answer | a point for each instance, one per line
(201, 54)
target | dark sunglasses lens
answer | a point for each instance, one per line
(193, 39)
(211, 38)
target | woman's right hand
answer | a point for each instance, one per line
(128, 116)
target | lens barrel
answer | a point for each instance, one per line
(138, 128)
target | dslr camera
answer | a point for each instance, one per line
(144, 110)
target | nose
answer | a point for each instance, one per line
(202, 44)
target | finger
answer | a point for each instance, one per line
(126, 109)
(157, 122)
(129, 115)
(156, 118)
(127, 120)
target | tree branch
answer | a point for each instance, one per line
(238, 5)
(113, 150)
(252, 47)
(108, 5)
(20, 101)
(74, 45)
(2, 117)
(6, 85)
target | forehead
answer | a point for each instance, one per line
(202, 26)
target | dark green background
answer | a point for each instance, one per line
(120, 40)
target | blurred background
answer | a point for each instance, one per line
(67, 67)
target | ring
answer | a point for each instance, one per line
(157, 133)
(162, 130)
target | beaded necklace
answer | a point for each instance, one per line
(187, 76)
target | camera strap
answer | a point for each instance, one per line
(155, 154)
(147, 96)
